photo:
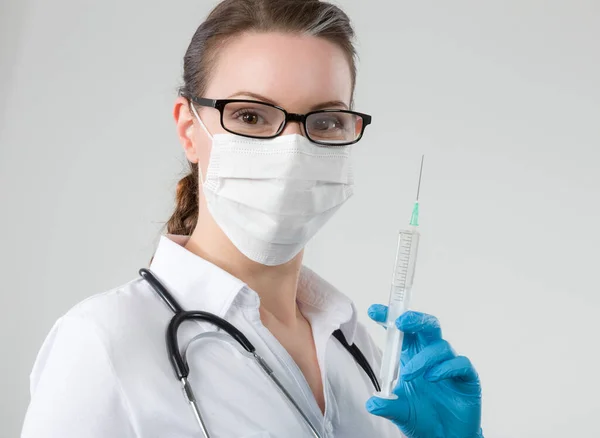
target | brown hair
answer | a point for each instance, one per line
(233, 17)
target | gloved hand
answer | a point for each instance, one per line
(439, 394)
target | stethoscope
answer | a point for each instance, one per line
(182, 370)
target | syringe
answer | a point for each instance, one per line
(400, 294)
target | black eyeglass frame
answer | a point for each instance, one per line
(219, 104)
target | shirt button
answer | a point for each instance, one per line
(329, 428)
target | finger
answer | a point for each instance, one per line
(458, 367)
(395, 410)
(426, 327)
(378, 313)
(430, 356)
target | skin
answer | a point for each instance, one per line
(299, 73)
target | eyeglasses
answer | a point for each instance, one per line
(254, 119)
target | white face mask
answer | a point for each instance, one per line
(271, 196)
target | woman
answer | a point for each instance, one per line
(268, 168)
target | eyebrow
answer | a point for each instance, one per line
(329, 104)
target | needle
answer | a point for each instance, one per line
(420, 174)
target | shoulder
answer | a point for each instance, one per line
(101, 305)
(109, 323)
(128, 320)
(109, 327)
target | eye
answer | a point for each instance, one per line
(327, 123)
(248, 117)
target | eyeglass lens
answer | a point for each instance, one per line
(260, 120)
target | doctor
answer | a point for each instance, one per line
(266, 121)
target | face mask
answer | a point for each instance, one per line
(271, 196)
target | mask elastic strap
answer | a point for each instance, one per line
(200, 121)
(202, 180)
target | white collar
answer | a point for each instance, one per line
(200, 285)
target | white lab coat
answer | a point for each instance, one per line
(103, 370)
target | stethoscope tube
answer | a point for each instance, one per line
(161, 290)
(180, 367)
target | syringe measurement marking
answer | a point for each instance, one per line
(401, 273)
(402, 269)
(401, 277)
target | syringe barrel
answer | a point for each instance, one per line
(400, 294)
(403, 274)
(390, 362)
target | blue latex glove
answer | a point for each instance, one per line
(439, 394)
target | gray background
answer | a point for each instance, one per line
(502, 97)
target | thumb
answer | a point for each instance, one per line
(378, 313)
(396, 410)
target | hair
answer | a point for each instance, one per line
(231, 18)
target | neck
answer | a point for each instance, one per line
(276, 285)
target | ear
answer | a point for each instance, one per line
(186, 128)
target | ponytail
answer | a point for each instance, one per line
(185, 217)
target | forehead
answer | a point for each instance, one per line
(295, 71)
